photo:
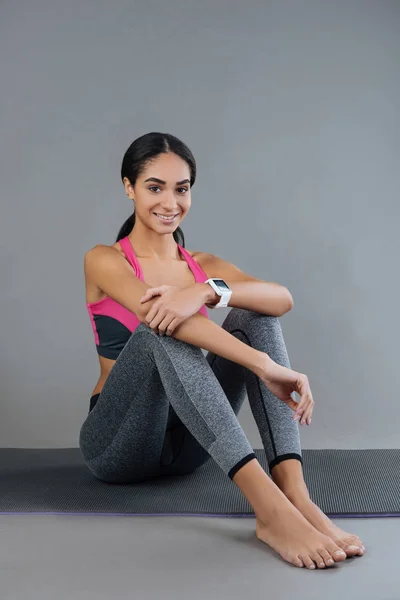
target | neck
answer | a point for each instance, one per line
(148, 243)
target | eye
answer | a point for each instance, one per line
(154, 187)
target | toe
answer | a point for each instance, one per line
(298, 562)
(319, 561)
(351, 545)
(308, 562)
(337, 552)
(354, 544)
(326, 557)
(351, 549)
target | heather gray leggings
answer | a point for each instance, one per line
(166, 408)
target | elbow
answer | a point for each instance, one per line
(288, 303)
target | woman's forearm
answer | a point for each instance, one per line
(204, 333)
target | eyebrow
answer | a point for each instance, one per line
(164, 182)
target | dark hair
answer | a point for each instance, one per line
(139, 154)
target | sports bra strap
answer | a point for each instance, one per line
(130, 254)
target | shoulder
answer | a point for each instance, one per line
(215, 266)
(103, 262)
(103, 255)
(204, 259)
(197, 255)
(104, 250)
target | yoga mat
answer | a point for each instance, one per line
(344, 483)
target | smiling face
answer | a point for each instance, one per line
(162, 190)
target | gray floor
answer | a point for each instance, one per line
(188, 558)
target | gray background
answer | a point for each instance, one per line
(292, 112)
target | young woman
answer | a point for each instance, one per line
(160, 406)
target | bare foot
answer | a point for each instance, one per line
(350, 543)
(288, 533)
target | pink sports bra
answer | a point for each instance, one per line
(112, 323)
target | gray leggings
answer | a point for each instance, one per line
(166, 408)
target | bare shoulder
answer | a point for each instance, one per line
(198, 256)
(215, 266)
(96, 259)
(100, 247)
(101, 250)
(204, 259)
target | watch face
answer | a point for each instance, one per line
(221, 284)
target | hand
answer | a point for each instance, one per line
(283, 382)
(174, 306)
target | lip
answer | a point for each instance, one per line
(168, 216)
(171, 217)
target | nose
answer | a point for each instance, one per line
(170, 206)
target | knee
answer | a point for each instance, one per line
(247, 316)
(255, 316)
(154, 342)
(144, 327)
(143, 337)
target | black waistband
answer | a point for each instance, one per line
(93, 401)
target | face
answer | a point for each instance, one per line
(163, 188)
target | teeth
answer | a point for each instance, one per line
(165, 218)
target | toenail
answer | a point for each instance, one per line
(353, 548)
(341, 552)
(331, 561)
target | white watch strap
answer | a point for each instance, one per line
(225, 295)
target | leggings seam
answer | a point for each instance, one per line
(176, 456)
(259, 391)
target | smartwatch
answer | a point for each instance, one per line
(222, 289)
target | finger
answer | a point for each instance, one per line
(305, 394)
(152, 312)
(306, 412)
(149, 294)
(303, 416)
(164, 324)
(157, 320)
(293, 404)
(301, 408)
(307, 415)
(172, 326)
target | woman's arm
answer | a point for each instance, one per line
(265, 297)
(113, 275)
(248, 292)
(205, 333)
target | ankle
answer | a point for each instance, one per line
(266, 499)
(295, 493)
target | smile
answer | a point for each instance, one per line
(164, 218)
